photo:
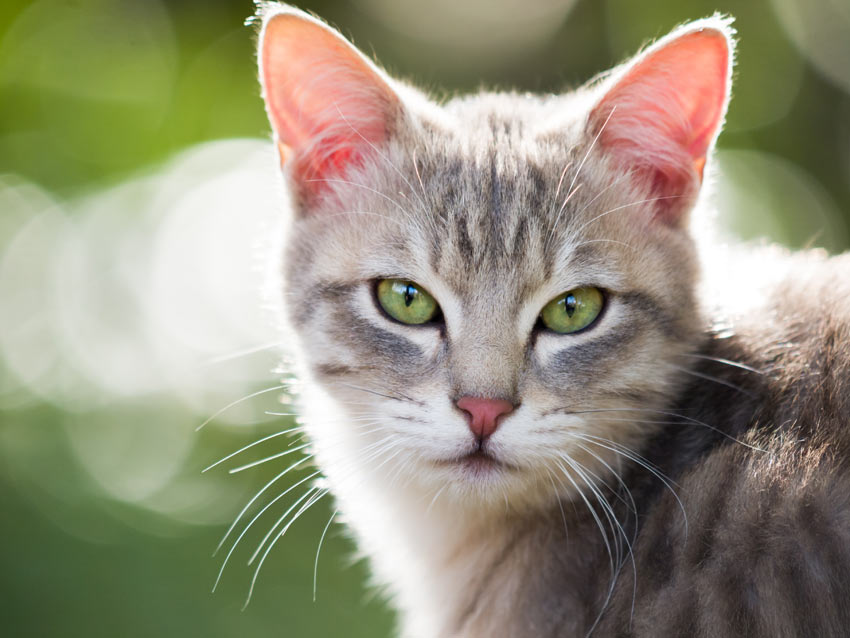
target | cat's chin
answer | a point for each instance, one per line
(478, 478)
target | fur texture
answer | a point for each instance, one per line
(656, 476)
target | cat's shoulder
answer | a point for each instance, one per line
(754, 543)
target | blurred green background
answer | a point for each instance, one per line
(137, 203)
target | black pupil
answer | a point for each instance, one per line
(409, 295)
(570, 304)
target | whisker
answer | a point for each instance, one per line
(378, 151)
(634, 534)
(630, 505)
(675, 416)
(314, 489)
(275, 388)
(592, 513)
(602, 192)
(419, 176)
(616, 208)
(604, 539)
(319, 549)
(345, 213)
(636, 458)
(560, 504)
(242, 353)
(250, 445)
(708, 377)
(254, 499)
(400, 396)
(368, 188)
(561, 179)
(313, 499)
(436, 496)
(254, 520)
(247, 466)
(734, 364)
(575, 176)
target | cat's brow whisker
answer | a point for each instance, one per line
(561, 179)
(554, 226)
(566, 201)
(602, 192)
(274, 388)
(623, 207)
(346, 213)
(591, 147)
(380, 154)
(570, 190)
(600, 241)
(393, 201)
(419, 176)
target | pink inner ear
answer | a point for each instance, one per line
(664, 114)
(327, 104)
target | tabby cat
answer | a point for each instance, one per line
(536, 416)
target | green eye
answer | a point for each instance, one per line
(572, 310)
(406, 301)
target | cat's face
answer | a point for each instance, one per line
(427, 241)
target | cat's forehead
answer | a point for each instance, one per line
(494, 188)
(490, 215)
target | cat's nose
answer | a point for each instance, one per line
(484, 414)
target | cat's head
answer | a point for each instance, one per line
(493, 297)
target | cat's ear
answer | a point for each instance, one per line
(328, 104)
(662, 113)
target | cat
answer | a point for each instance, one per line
(535, 415)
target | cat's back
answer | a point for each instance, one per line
(756, 539)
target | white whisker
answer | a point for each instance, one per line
(254, 499)
(250, 445)
(253, 520)
(319, 549)
(275, 388)
(247, 466)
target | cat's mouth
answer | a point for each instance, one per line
(478, 462)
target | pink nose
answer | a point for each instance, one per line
(484, 414)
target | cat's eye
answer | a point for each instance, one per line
(573, 310)
(406, 301)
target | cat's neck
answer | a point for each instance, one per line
(458, 575)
